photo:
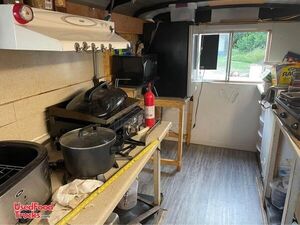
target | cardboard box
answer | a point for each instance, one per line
(283, 74)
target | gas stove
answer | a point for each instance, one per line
(287, 107)
(125, 121)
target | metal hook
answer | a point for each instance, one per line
(77, 47)
(110, 47)
(85, 46)
(102, 48)
(94, 48)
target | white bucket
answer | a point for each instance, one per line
(129, 200)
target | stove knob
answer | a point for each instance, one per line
(295, 126)
(129, 129)
(274, 106)
(283, 115)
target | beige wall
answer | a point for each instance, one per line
(226, 123)
(227, 116)
(30, 81)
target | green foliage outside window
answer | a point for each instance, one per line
(248, 48)
(249, 41)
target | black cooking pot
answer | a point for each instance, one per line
(89, 151)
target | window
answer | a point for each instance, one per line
(240, 57)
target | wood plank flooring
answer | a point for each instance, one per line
(215, 187)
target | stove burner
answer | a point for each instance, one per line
(125, 121)
(291, 98)
(291, 106)
(294, 107)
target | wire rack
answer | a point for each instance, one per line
(7, 171)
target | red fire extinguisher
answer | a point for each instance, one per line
(149, 99)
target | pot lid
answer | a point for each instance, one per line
(88, 137)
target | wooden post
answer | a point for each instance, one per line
(189, 121)
(156, 176)
(180, 137)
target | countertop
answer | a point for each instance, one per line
(54, 155)
(112, 195)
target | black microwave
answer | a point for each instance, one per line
(133, 71)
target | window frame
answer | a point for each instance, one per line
(229, 54)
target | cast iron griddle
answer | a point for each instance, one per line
(60, 110)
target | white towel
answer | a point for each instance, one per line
(68, 196)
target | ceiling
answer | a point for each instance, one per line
(127, 7)
(158, 9)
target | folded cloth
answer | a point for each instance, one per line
(73, 193)
(68, 196)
